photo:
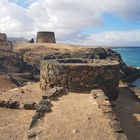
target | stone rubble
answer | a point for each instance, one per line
(41, 108)
(10, 104)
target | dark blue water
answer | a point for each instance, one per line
(131, 56)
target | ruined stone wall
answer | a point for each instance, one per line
(45, 37)
(80, 76)
(3, 37)
(105, 107)
(4, 43)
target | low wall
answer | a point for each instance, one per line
(80, 75)
(105, 107)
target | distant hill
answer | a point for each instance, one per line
(18, 39)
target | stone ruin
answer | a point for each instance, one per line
(79, 75)
(45, 37)
(4, 43)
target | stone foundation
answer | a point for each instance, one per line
(80, 75)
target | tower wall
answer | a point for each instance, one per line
(45, 37)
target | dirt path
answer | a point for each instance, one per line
(14, 124)
(128, 111)
(6, 84)
(75, 117)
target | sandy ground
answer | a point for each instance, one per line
(27, 93)
(49, 45)
(48, 48)
(128, 111)
(14, 124)
(6, 84)
(75, 117)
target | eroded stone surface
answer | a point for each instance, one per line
(4, 43)
(80, 75)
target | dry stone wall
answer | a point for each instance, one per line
(80, 75)
(105, 106)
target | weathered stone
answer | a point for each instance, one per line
(51, 72)
(74, 131)
(102, 97)
(121, 136)
(106, 109)
(33, 134)
(29, 105)
(12, 104)
(115, 125)
(56, 91)
(110, 115)
(2, 103)
(41, 108)
(96, 92)
(73, 74)
(4, 43)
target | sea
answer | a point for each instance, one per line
(130, 55)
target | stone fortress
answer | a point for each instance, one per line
(4, 43)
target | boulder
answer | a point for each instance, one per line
(56, 91)
(29, 105)
(12, 104)
(2, 103)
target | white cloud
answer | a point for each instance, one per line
(67, 18)
(114, 38)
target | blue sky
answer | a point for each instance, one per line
(113, 22)
(22, 3)
(86, 22)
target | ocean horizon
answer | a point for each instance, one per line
(130, 55)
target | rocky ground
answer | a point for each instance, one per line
(73, 116)
(14, 124)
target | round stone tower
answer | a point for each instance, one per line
(45, 37)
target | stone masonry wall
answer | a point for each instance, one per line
(45, 37)
(80, 76)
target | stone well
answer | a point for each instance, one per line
(79, 75)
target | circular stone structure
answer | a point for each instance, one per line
(45, 37)
(80, 75)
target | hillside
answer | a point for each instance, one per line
(70, 115)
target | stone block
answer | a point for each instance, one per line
(29, 105)
(12, 104)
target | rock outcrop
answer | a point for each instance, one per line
(127, 74)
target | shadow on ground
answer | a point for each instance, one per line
(128, 111)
